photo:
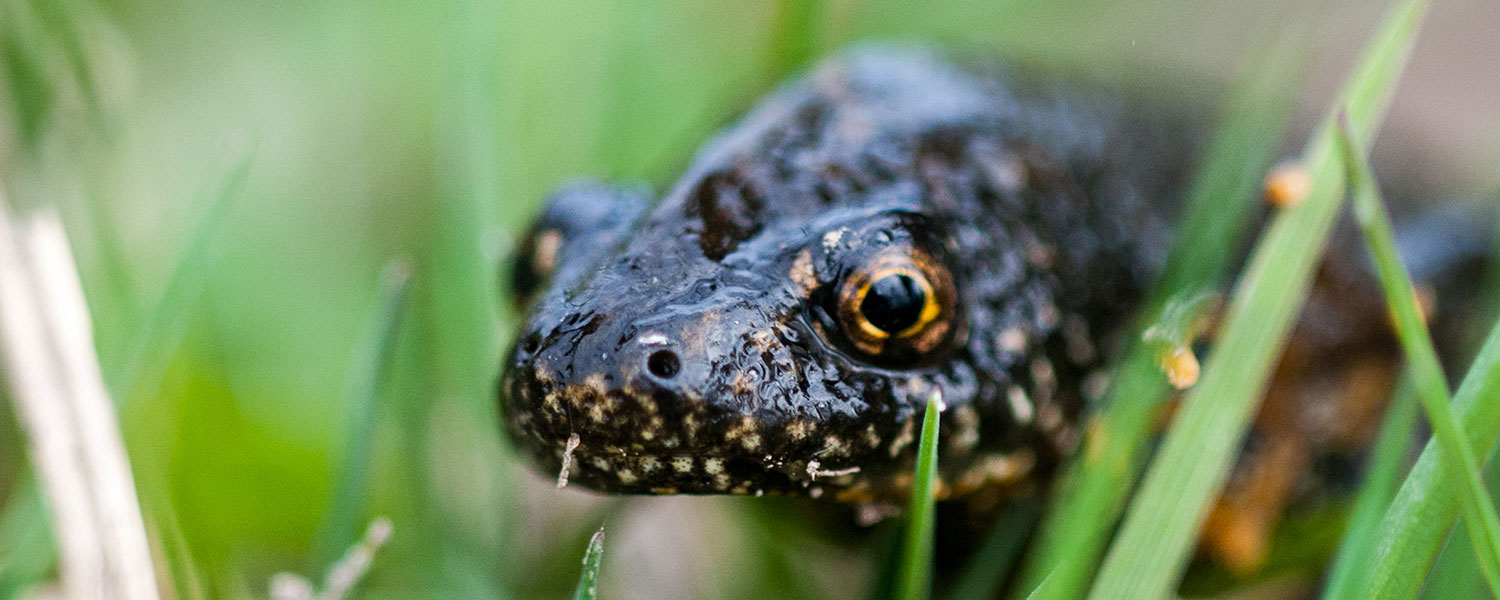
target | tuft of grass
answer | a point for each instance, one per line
(1427, 372)
(588, 580)
(1161, 525)
(1094, 491)
(1392, 443)
(914, 571)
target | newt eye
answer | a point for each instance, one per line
(580, 221)
(535, 261)
(896, 305)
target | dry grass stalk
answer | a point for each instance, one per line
(343, 575)
(47, 351)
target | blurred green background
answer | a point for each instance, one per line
(235, 176)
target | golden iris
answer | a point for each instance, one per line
(895, 300)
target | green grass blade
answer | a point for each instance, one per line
(1348, 574)
(914, 572)
(886, 548)
(1455, 574)
(1162, 523)
(185, 574)
(777, 565)
(373, 356)
(1225, 188)
(27, 548)
(794, 36)
(1427, 372)
(1046, 590)
(588, 580)
(989, 566)
(31, 92)
(60, 21)
(1422, 512)
(169, 317)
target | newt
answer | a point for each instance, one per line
(895, 229)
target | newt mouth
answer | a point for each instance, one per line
(687, 473)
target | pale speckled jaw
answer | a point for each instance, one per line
(647, 438)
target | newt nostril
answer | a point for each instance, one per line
(663, 364)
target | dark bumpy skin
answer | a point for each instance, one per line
(724, 340)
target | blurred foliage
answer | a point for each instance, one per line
(235, 175)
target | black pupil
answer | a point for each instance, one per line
(893, 303)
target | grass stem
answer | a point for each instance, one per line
(1161, 525)
(914, 572)
(1427, 372)
(588, 579)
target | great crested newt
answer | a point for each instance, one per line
(891, 230)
